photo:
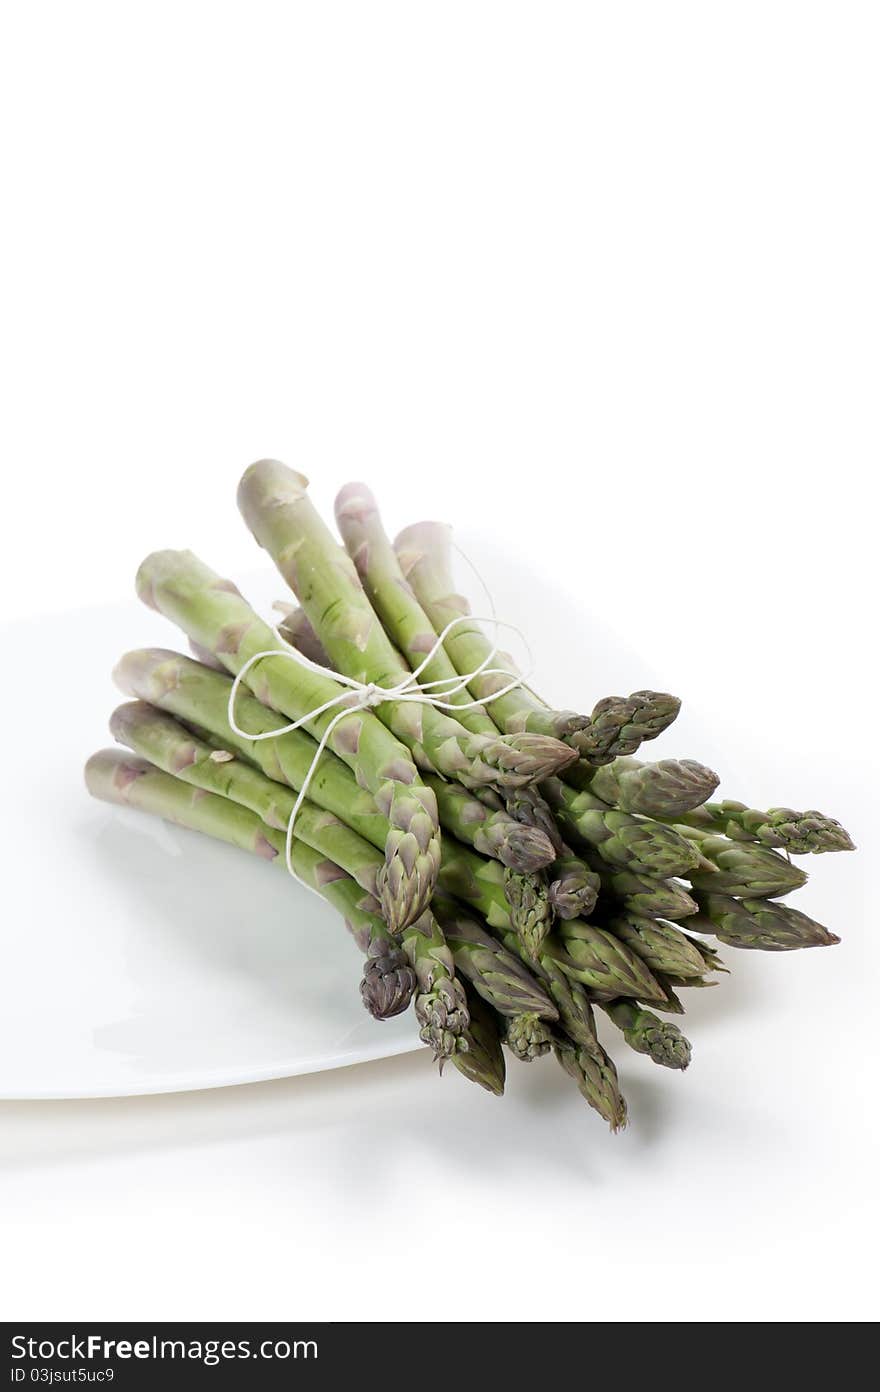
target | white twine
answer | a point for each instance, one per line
(366, 695)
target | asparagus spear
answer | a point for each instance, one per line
(491, 832)
(494, 972)
(440, 1006)
(608, 967)
(666, 788)
(645, 847)
(620, 724)
(531, 912)
(393, 599)
(662, 946)
(200, 697)
(743, 868)
(211, 611)
(596, 1081)
(663, 1042)
(799, 833)
(525, 804)
(617, 724)
(758, 923)
(529, 806)
(167, 745)
(483, 1060)
(275, 505)
(599, 960)
(644, 894)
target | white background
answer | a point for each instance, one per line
(605, 277)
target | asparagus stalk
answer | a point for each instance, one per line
(211, 611)
(600, 960)
(617, 724)
(393, 599)
(275, 505)
(494, 833)
(666, 788)
(662, 946)
(643, 894)
(200, 697)
(166, 744)
(663, 1042)
(525, 805)
(529, 806)
(596, 1081)
(531, 911)
(758, 923)
(493, 971)
(798, 833)
(645, 847)
(483, 1060)
(743, 868)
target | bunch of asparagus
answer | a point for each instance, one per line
(505, 868)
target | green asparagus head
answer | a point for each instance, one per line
(745, 868)
(531, 913)
(519, 760)
(799, 833)
(760, 924)
(662, 946)
(483, 1059)
(527, 1036)
(619, 725)
(662, 1041)
(663, 789)
(596, 1079)
(443, 1019)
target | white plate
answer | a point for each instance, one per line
(141, 958)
